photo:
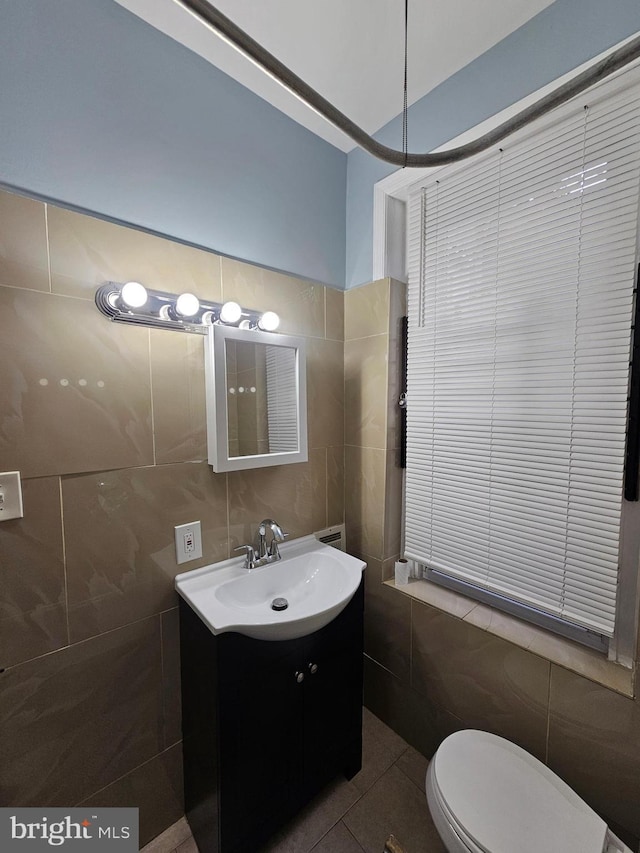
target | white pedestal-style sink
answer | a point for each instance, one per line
(316, 580)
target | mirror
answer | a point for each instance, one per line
(256, 399)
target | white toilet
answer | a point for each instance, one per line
(487, 795)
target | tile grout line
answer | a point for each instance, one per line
(352, 835)
(64, 566)
(46, 235)
(124, 775)
(411, 644)
(364, 793)
(546, 744)
(155, 846)
(226, 488)
(343, 815)
(395, 764)
(326, 486)
(325, 312)
(344, 423)
(367, 337)
(87, 640)
(332, 827)
(361, 795)
(153, 421)
(162, 681)
(370, 447)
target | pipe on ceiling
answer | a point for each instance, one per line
(223, 25)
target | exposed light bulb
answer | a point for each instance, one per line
(187, 305)
(230, 312)
(133, 294)
(269, 321)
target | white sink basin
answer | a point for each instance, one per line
(316, 580)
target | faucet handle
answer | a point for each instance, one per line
(250, 560)
(273, 550)
(260, 541)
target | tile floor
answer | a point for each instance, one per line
(387, 796)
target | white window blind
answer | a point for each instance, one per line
(522, 269)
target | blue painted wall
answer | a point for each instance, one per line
(101, 112)
(560, 38)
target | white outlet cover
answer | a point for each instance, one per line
(10, 496)
(184, 533)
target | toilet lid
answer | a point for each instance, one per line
(504, 799)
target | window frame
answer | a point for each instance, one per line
(391, 257)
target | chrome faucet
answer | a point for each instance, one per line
(269, 552)
(263, 552)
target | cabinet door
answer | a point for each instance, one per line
(261, 708)
(333, 699)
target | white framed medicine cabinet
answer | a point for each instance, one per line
(256, 392)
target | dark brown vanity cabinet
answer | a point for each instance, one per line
(266, 725)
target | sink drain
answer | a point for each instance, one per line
(279, 604)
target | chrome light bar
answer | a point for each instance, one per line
(134, 303)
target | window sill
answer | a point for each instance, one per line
(558, 650)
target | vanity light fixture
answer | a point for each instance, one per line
(133, 295)
(230, 313)
(187, 305)
(134, 303)
(269, 321)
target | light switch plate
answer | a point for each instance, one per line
(188, 542)
(10, 496)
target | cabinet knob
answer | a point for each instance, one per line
(313, 668)
(299, 677)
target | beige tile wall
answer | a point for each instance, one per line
(107, 425)
(113, 458)
(372, 315)
(428, 673)
(373, 479)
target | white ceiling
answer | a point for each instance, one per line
(350, 51)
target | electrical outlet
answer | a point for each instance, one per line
(188, 542)
(10, 496)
